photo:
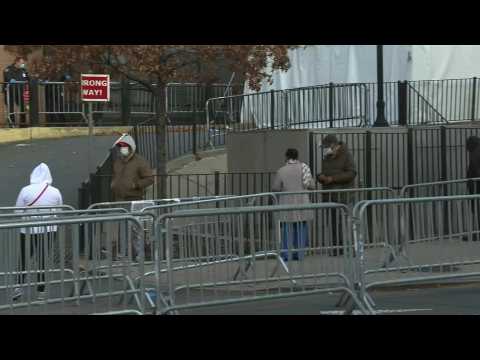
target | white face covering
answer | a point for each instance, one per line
(125, 151)
(328, 151)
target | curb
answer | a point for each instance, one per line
(38, 133)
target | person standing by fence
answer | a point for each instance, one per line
(294, 176)
(131, 176)
(473, 171)
(39, 240)
(338, 172)
(16, 91)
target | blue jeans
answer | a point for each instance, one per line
(294, 236)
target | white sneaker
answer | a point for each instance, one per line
(17, 294)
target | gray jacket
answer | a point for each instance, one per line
(290, 178)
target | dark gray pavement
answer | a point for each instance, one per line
(436, 300)
(67, 159)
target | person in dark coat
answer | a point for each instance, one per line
(338, 172)
(473, 171)
(17, 96)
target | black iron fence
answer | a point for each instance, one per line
(384, 158)
(40, 103)
(400, 156)
(181, 140)
(427, 102)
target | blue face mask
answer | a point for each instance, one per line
(23, 66)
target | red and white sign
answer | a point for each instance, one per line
(95, 87)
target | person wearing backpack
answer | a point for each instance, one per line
(40, 192)
(294, 176)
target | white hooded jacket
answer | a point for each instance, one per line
(39, 179)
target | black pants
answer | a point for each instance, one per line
(40, 249)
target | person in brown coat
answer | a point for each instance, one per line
(131, 176)
(131, 172)
(338, 172)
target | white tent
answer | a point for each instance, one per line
(321, 64)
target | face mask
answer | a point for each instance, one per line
(327, 151)
(23, 66)
(124, 151)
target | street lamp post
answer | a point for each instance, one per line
(380, 121)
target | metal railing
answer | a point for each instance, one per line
(219, 257)
(50, 263)
(45, 103)
(424, 102)
(416, 240)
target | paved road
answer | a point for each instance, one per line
(445, 300)
(67, 159)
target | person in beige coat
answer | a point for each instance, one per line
(294, 176)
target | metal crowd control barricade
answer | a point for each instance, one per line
(128, 204)
(348, 197)
(33, 209)
(27, 251)
(438, 188)
(433, 243)
(205, 250)
(203, 204)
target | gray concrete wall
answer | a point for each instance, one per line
(263, 151)
(260, 151)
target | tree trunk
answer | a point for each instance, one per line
(161, 141)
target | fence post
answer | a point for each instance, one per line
(217, 183)
(474, 97)
(81, 197)
(125, 101)
(272, 109)
(331, 97)
(368, 178)
(195, 120)
(33, 102)
(368, 159)
(93, 189)
(311, 145)
(402, 103)
(443, 175)
(410, 160)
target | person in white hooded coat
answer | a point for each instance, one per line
(40, 192)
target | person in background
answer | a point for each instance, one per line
(17, 97)
(338, 172)
(40, 192)
(473, 171)
(294, 176)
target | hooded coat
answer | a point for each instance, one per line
(473, 170)
(31, 195)
(131, 175)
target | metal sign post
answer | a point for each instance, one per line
(93, 87)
